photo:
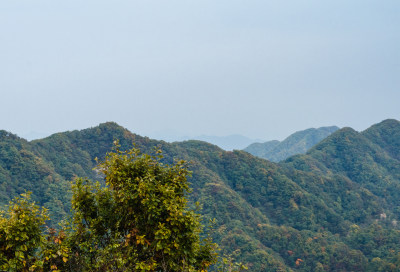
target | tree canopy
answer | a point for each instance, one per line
(138, 220)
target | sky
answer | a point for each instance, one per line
(259, 68)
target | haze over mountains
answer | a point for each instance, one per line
(228, 143)
(334, 208)
(297, 143)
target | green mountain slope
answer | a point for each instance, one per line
(297, 143)
(22, 170)
(364, 163)
(387, 136)
(262, 150)
(332, 209)
(368, 164)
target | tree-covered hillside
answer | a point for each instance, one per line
(21, 169)
(333, 209)
(297, 143)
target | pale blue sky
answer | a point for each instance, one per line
(259, 68)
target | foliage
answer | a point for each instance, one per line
(21, 236)
(139, 221)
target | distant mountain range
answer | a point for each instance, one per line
(297, 143)
(335, 208)
(228, 143)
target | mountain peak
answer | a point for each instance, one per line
(386, 134)
(384, 125)
(6, 134)
(344, 136)
(110, 125)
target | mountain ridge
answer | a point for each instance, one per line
(297, 143)
(306, 207)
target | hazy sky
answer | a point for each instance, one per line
(259, 68)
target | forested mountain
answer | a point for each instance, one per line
(297, 143)
(334, 208)
(22, 170)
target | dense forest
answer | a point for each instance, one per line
(335, 208)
